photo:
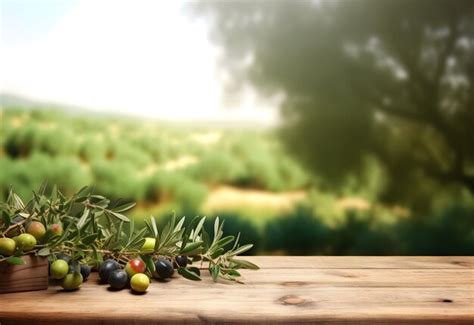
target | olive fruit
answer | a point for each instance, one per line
(26, 242)
(106, 268)
(72, 281)
(36, 229)
(56, 229)
(85, 271)
(135, 266)
(62, 256)
(181, 260)
(59, 269)
(148, 245)
(7, 246)
(139, 282)
(163, 268)
(118, 279)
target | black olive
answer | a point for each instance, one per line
(85, 271)
(62, 256)
(106, 269)
(182, 261)
(164, 268)
(118, 279)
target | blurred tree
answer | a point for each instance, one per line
(392, 80)
(299, 233)
(437, 234)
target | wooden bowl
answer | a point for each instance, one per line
(33, 275)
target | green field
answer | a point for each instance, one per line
(241, 174)
(161, 166)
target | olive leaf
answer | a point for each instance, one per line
(242, 249)
(44, 252)
(215, 271)
(189, 273)
(148, 262)
(83, 218)
(94, 228)
(191, 248)
(89, 239)
(245, 264)
(14, 260)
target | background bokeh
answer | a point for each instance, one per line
(327, 127)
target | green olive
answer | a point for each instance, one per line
(72, 281)
(56, 229)
(7, 246)
(59, 269)
(148, 245)
(140, 282)
(26, 242)
(36, 229)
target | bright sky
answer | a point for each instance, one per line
(139, 57)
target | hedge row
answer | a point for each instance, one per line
(450, 232)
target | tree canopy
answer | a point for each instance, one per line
(389, 80)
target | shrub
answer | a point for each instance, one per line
(298, 234)
(117, 179)
(56, 142)
(293, 176)
(157, 148)
(69, 174)
(359, 235)
(20, 142)
(92, 148)
(163, 186)
(123, 151)
(450, 232)
(27, 174)
(215, 168)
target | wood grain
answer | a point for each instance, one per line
(287, 290)
(33, 275)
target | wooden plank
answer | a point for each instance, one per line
(274, 305)
(33, 275)
(365, 262)
(342, 294)
(361, 278)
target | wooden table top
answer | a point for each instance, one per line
(286, 290)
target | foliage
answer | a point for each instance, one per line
(95, 229)
(450, 232)
(137, 160)
(392, 80)
(30, 173)
(164, 187)
(217, 168)
(359, 233)
(303, 233)
(236, 224)
(297, 234)
(117, 179)
(247, 159)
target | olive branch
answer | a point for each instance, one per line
(95, 229)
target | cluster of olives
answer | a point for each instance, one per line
(134, 273)
(35, 231)
(71, 274)
(64, 269)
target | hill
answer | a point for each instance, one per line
(161, 165)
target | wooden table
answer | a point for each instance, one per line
(286, 290)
